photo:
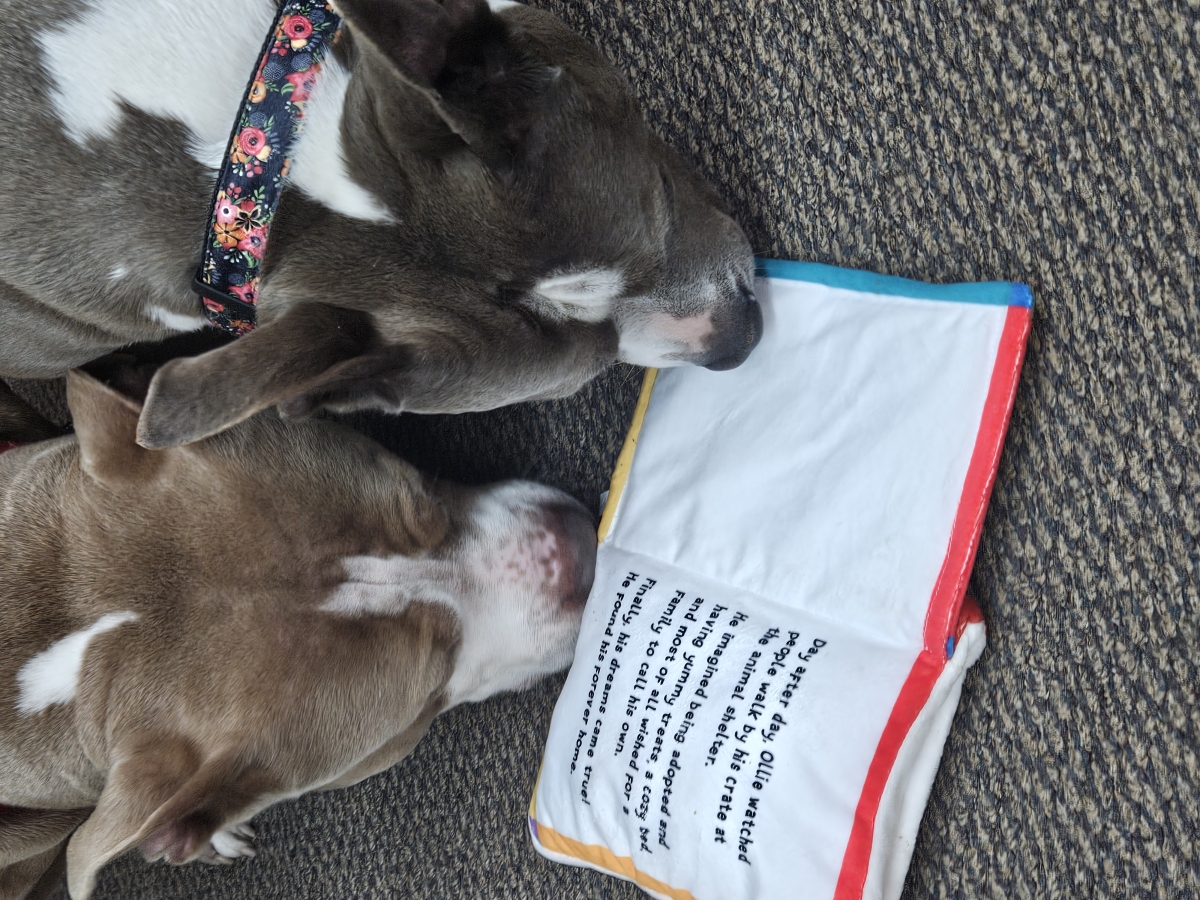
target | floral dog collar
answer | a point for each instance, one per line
(251, 179)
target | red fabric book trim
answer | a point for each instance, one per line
(946, 600)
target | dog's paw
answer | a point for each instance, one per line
(230, 843)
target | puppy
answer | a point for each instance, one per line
(477, 215)
(193, 634)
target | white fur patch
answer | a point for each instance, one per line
(233, 841)
(51, 676)
(175, 321)
(184, 61)
(190, 62)
(318, 161)
(660, 340)
(385, 585)
(118, 272)
(497, 6)
(585, 296)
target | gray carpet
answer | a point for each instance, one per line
(1043, 142)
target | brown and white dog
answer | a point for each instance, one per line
(193, 634)
(478, 213)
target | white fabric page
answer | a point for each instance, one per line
(694, 806)
(903, 802)
(824, 473)
(760, 600)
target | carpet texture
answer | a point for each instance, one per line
(1044, 142)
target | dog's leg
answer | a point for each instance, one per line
(34, 878)
(28, 832)
(163, 799)
(32, 850)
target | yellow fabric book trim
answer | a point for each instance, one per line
(607, 860)
(625, 460)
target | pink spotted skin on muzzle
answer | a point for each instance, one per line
(571, 553)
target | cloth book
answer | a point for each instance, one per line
(778, 633)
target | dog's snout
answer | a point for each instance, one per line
(574, 552)
(744, 337)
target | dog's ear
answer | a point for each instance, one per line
(160, 798)
(486, 85)
(106, 424)
(193, 398)
(415, 35)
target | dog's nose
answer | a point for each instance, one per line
(750, 334)
(575, 551)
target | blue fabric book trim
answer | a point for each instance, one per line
(992, 293)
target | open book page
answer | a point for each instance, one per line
(778, 594)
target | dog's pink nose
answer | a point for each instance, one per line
(571, 552)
